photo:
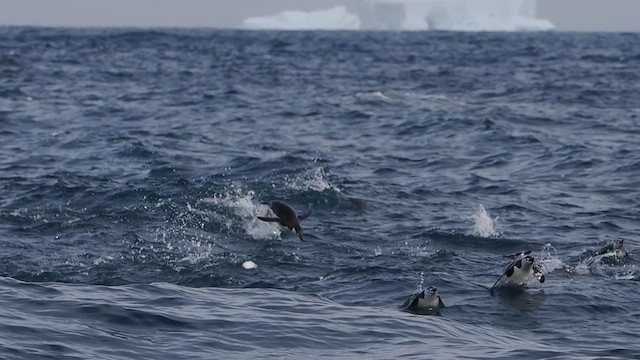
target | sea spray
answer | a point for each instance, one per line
(313, 179)
(241, 202)
(549, 260)
(484, 225)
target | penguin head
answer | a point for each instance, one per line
(523, 264)
(519, 255)
(618, 248)
(527, 261)
(430, 291)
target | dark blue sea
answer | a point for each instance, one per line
(134, 164)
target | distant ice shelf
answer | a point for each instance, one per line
(454, 15)
(337, 18)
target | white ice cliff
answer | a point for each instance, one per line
(456, 15)
(337, 18)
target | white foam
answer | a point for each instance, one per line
(549, 265)
(484, 225)
(456, 15)
(380, 95)
(103, 260)
(196, 252)
(580, 269)
(242, 203)
(314, 179)
(549, 261)
(248, 265)
(630, 273)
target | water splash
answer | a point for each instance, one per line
(313, 179)
(420, 284)
(484, 225)
(612, 265)
(580, 269)
(195, 252)
(249, 265)
(548, 260)
(241, 202)
(372, 96)
(630, 273)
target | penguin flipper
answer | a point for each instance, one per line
(509, 272)
(497, 281)
(414, 302)
(605, 249)
(441, 304)
(269, 219)
(304, 216)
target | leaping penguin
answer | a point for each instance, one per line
(286, 216)
(520, 270)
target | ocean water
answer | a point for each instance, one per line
(133, 164)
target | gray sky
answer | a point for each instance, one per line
(572, 15)
(591, 15)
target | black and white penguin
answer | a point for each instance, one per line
(519, 271)
(613, 253)
(286, 216)
(616, 248)
(425, 301)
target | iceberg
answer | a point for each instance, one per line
(472, 15)
(452, 15)
(336, 18)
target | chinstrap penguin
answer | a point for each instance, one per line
(425, 301)
(519, 271)
(615, 247)
(286, 216)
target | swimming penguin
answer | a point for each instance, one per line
(520, 270)
(286, 216)
(613, 253)
(426, 301)
(616, 248)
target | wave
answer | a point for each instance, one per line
(161, 319)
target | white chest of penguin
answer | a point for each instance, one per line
(429, 302)
(520, 276)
